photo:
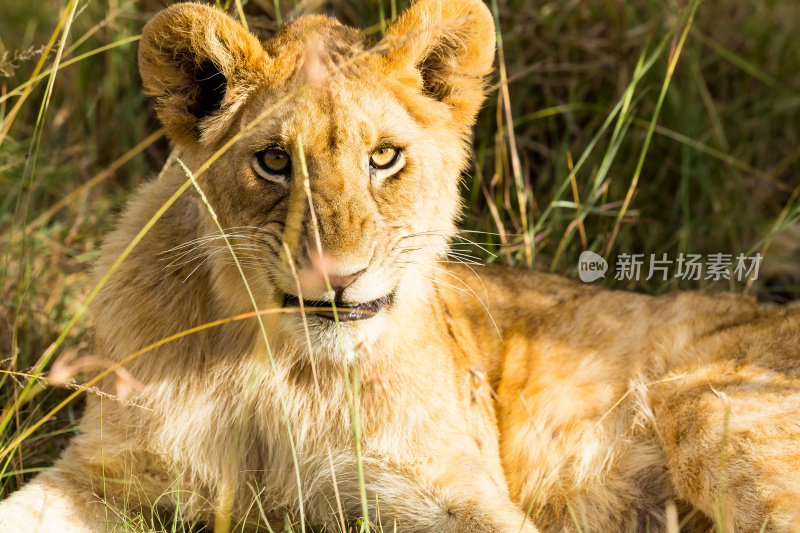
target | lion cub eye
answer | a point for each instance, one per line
(273, 164)
(384, 157)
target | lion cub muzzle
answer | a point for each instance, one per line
(324, 275)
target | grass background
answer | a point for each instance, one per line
(720, 172)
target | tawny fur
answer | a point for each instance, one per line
(482, 393)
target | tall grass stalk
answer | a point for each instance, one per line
(675, 54)
(351, 382)
(222, 517)
(8, 120)
(516, 167)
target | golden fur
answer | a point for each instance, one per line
(481, 393)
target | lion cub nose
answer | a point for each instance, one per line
(324, 265)
(340, 283)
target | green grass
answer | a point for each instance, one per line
(612, 126)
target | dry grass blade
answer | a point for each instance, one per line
(8, 120)
(516, 167)
(675, 54)
(15, 442)
(222, 516)
(95, 180)
(22, 89)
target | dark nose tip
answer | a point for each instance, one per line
(339, 283)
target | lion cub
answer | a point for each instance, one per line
(422, 396)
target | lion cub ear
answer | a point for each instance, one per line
(199, 65)
(451, 44)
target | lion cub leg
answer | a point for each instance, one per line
(732, 442)
(51, 503)
(442, 496)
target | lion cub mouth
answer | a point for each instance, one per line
(345, 312)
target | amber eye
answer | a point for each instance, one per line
(383, 157)
(273, 162)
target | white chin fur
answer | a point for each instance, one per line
(340, 342)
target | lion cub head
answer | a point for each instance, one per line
(339, 181)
